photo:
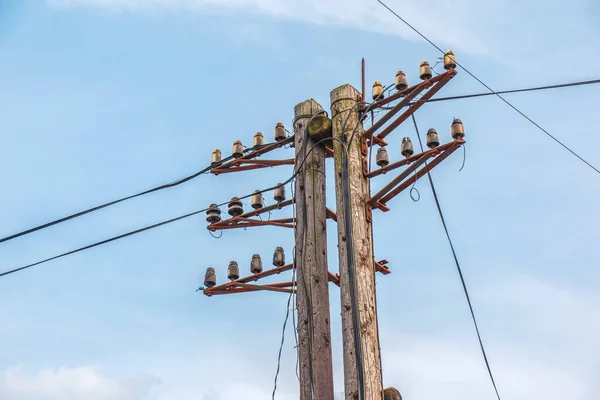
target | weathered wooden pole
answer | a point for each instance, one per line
(314, 332)
(365, 352)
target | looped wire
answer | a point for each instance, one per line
(464, 157)
(413, 188)
(216, 237)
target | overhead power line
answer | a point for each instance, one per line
(460, 274)
(208, 169)
(150, 227)
(469, 96)
(111, 203)
(112, 239)
(491, 90)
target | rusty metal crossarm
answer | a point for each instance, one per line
(232, 222)
(408, 160)
(417, 104)
(406, 91)
(397, 180)
(419, 174)
(328, 151)
(233, 286)
(331, 214)
(245, 288)
(242, 286)
(268, 163)
(271, 287)
(223, 168)
(403, 103)
(335, 279)
(252, 165)
(250, 222)
(241, 168)
(264, 274)
(380, 267)
(277, 206)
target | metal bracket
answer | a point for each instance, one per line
(244, 285)
(432, 85)
(406, 178)
(248, 161)
(244, 220)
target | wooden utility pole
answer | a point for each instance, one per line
(344, 101)
(314, 332)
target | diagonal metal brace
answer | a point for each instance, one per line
(247, 162)
(400, 183)
(245, 220)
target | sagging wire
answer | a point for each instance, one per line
(458, 268)
(346, 200)
(413, 188)
(464, 156)
(508, 103)
(372, 234)
(294, 288)
(287, 314)
(99, 207)
(150, 227)
(440, 59)
(350, 248)
(217, 237)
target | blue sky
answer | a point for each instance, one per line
(102, 99)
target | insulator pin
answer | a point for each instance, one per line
(235, 207)
(382, 159)
(449, 60)
(401, 82)
(406, 148)
(213, 214)
(257, 200)
(210, 278)
(256, 264)
(259, 140)
(279, 194)
(238, 149)
(458, 130)
(233, 271)
(378, 91)
(425, 71)
(433, 140)
(279, 257)
(280, 133)
(216, 157)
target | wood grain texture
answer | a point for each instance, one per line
(343, 99)
(311, 258)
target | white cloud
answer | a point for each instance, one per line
(541, 339)
(423, 369)
(502, 29)
(81, 383)
(561, 362)
(549, 309)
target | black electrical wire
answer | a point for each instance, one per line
(460, 274)
(110, 203)
(348, 228)
(147, 228)
(464, 157)
(492, 90)
(150, 226)
(287, 314)
(350, 250)
(531, 89)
